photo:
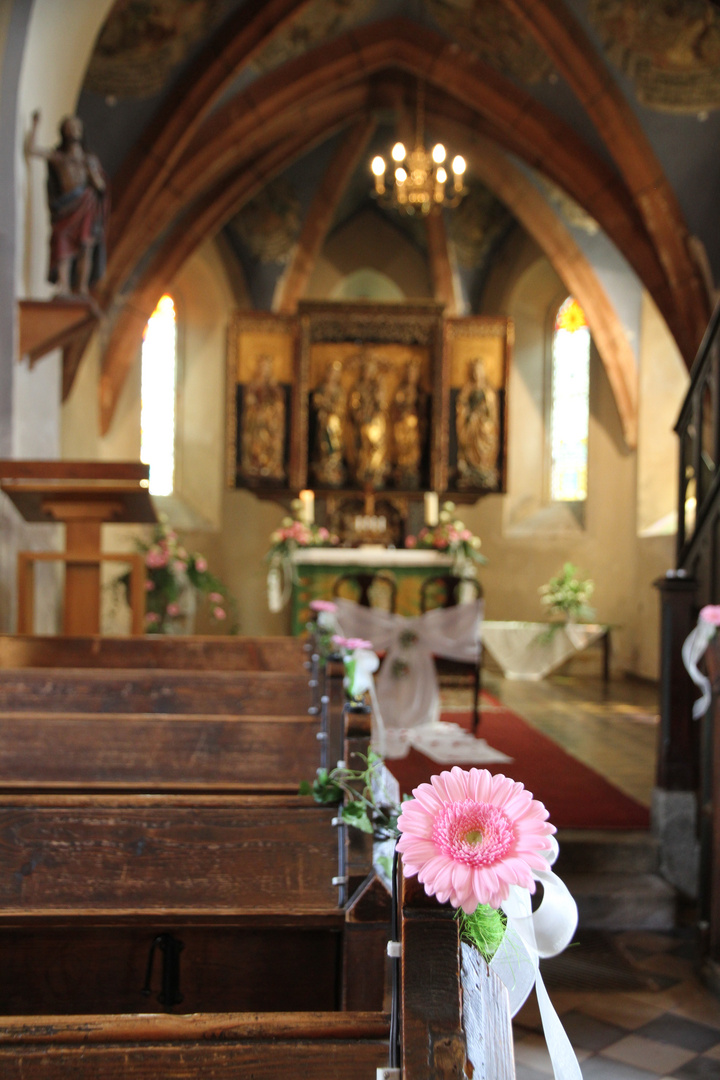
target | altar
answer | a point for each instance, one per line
(317, 569)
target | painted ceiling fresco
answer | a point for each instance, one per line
(487, 29)
(669, 48)
(143, 42)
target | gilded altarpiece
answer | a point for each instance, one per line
(368, 404)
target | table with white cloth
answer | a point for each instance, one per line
(406, 696)
(528, 650)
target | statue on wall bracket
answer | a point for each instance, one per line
(477, 423)
(79, 203)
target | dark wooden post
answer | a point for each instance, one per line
(678, 752)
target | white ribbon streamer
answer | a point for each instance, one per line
(530, 936)
(693, 650)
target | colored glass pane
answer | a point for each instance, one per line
(157, 397)
(570, 404)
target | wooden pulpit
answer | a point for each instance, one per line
(83, 496)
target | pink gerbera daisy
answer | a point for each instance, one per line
(470, 835)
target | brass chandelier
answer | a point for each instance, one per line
(420, 181)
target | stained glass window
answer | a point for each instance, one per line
(570, 409)
(157, 397)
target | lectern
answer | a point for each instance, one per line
(82, 495)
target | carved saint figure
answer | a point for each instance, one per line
(79, 205)
(478, 430)
(369, 411)
(263, 424)
(408, 417)
(330, 402)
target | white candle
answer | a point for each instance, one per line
(431, 508)
(307, 498)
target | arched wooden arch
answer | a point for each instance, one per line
(279, 102)
(562, 37)
(497, 172)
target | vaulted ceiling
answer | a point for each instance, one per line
(606, 110)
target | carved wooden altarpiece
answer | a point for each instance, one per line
(354, 400)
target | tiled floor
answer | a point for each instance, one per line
(660, 1021)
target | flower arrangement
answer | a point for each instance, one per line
(480, 842)
(694, 648)
(451, 536)
(567, 595)
(292, 534)
(360, 663)
(170, 572)
(324, 628)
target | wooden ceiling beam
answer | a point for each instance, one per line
(205, 219)
(153, 159)
(320, 215)
(563, 38)
(524, 200)
(441, 272)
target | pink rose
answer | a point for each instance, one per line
(466, 535)
(219, 614)
(711, 614)
(410, 541)
(216, 597)
(156, 559)
(323, 533)
(149, 585)
(152, 617)
(200, 564)
(179, 566)
(173, 610)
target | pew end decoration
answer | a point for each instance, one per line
(295, 532)
(451, 537)
(694, 648)
(482, 843)
(173, 579)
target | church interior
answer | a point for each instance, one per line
(350, 363)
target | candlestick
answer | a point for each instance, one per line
(431, 508)
(307, 498)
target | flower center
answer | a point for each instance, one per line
(475, 833)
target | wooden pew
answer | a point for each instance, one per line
(212, 653)
(87, 883)
(265, 1046)
(253, 693)
(47, 751)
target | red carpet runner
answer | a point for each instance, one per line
(576, 796)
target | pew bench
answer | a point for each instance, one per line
(161, 752)
(230, 693)
(192, 653)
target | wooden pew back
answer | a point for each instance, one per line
(155, 753)
(192, 653)
(244, 693)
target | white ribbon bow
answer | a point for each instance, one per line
(693, 650)
(530, 936)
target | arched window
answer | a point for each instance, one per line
(569, 404)
(157, 395)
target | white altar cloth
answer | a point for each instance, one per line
(533, 650)
(405, 696)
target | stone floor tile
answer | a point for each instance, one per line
(619, 1009)
(679, 1031)
(602, 1068)
(700, 1068)
(647, 1054)
(671, 964)
(532, 1052)
(590, 1034)
(524, 1072)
